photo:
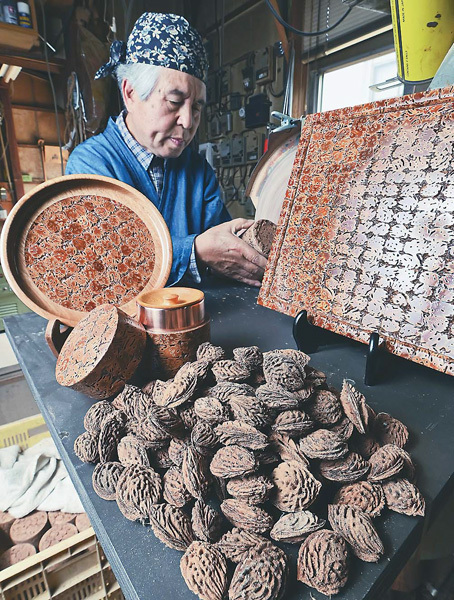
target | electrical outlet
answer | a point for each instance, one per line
(248, 78)
(237, 149)
(254, 146)
(216, 155)
(225, 152)
(226, 122)
(264, 66)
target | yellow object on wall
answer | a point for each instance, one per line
(423, 34)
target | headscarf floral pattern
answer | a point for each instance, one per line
(160, 39)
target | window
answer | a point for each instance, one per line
(350, 85)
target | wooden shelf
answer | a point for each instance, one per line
(32, 61)
(17, 37)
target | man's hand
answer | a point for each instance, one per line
(226, 254)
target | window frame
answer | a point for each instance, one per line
(374, 46)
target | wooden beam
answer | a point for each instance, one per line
(34, 64)
(36, 108)
(281, 31)
(13, 150)
(231, 15)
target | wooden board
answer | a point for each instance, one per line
(366, 234)
(31, 161)
(31, 126)
(79, 241)
(31, 91)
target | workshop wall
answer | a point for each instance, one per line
(250, 30)
(246, 83)
(34, 120)
(126, 13)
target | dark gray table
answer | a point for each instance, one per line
(145, 568)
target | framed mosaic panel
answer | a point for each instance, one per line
(365, 240)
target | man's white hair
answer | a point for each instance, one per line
(141, 76)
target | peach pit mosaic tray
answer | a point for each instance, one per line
(79, 241)
(365, 240)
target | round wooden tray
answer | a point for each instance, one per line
(79, 241)
(268, 182)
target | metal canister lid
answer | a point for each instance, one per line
(171, 309)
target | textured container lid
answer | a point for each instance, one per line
(106, 345)
(168, 298)
(79, 241)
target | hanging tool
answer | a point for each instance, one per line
(75, 131)
(42, 148)
(288, 97)
(287, 122)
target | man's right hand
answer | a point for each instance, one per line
(226, 254)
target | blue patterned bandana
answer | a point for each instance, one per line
(163, 40)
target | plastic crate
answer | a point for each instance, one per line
(24, 433)
(75, 568)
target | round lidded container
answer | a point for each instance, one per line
(80, 241)
(101, 353)
(176, 323)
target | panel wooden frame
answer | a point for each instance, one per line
(386, 165)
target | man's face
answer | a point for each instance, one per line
(166, 122)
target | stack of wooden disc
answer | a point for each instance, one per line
(24, 537)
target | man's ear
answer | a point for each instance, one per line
(129, 94)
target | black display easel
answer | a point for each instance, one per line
(309, 337)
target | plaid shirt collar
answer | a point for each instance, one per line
(143, 156)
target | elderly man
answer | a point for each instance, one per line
(161, 74)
